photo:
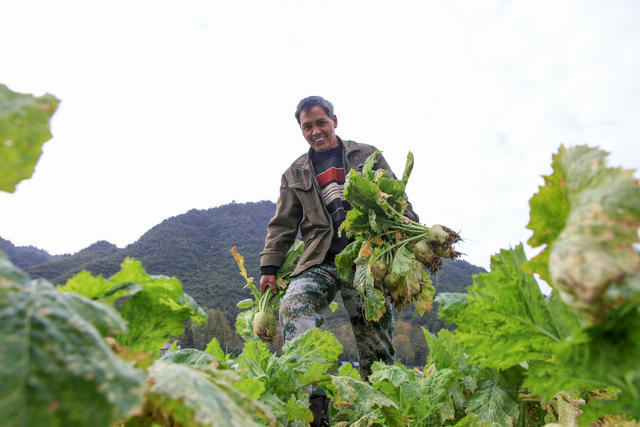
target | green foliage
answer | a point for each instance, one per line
(359, 403)
(492, 405)
(194, 247)
(24, 127)
(214, 349)
(56, 369)
(374, 299)
(155, 307)
(347, 370)
(190, 397)
(189, 356)
(384, 243)
(517, 357)
(444, 351)
(506, 309)
(345, 260)
(284, 272)
(305, 361)
(584, 337)
(588, 216)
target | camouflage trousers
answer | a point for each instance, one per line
(307, 298)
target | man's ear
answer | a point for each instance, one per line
(335, 121)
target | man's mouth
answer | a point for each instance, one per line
(318, 140)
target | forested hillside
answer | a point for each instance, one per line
(194, 247)
(24, 256)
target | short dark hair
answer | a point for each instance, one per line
(311, 101)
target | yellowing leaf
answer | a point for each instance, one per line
(240, 261)
(588, 216)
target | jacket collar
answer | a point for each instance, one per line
(304, 161)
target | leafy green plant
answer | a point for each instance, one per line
(584, 336)
(155, 307)
(389, 249)
(260, 319)
(56, 368)
(518, 357)
(24, 127)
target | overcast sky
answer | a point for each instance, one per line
(171, 106)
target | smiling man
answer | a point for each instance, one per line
(311, 201)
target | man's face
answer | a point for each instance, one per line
(319, 129)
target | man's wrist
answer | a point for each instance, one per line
(269, 270)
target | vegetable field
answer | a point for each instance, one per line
(87, 352)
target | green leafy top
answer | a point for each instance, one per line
(444, 351)
(24, 127)
(56, 368)
(283, 276)
(588, 216)
(505, 309)
(193, 397)
(155, 307)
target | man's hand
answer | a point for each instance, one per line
(268, 280)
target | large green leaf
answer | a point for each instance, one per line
(291, 259)
(403, 263)
(444, 351)
(395, 374)
(356, 221)
(347, 370)
(304, 362)
(184, 395)
(244, 321)
(255, 358)
(434, 396)
(357, 398)
(373, 298)
(588, 216)
(362, 193)
(492, 405)
(345, 259)
(155, 307)
(598, 356)
(56, 368)
(24, 127)
(311, 347)
(189, 356)
(505, 309)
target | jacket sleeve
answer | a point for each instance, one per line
(282, 228)
(381, 162)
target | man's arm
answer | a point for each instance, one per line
(281, 233)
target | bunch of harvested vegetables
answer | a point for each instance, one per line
(263, 307)
(389, 250)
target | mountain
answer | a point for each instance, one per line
(194, 247)
(24, 256)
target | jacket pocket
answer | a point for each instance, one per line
(306, 194)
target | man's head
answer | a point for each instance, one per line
(317, 122)
(310, 101)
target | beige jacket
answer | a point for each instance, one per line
(300, 206)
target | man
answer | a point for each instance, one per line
(311, 200)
